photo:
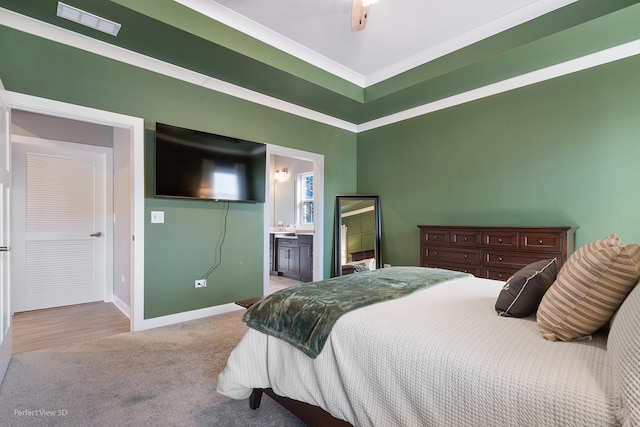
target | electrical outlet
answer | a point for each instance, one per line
(202, 283)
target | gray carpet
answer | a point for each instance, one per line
(161, 377)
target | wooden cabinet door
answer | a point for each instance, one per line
(305, 262)
(288, 261)
(283, 259)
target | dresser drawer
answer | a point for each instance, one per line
(500, 239)
(473, 269)
(463, 256)
(541, 241)
(499, 273)
(436, 237)
(509, 260)
(465, 238)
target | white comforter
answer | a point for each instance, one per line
(439, 357)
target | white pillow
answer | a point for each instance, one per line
(369, 263)
(624, 352)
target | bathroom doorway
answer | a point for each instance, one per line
(293, 218)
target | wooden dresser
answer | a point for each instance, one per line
(492, 252)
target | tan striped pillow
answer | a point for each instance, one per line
(589, 289)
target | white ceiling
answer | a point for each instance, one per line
(400, 34)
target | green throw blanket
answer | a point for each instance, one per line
(303, 315)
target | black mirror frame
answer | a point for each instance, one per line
(337, 266)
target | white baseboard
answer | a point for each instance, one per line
(122, 306)
(171, 319)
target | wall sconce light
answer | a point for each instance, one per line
(281, 175)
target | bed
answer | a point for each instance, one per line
(361, 261)
(441, 356)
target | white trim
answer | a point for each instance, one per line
(60, 35)
(585, 62)
(41, 29)
(186, 316)
(6, 304)
(318, 234)
(135, 128)
(122, 306)
(510, 20)
(300, 199)
(233, 19)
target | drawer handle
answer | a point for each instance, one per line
(435, 237)
(466, 256)
(435, 253)
(466, 238)
(500, 240)
(499, 275)
(540, 242)
(499, 258)
(465, 271)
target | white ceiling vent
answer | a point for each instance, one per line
(88, 19)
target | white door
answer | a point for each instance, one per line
(60, 227)
(5, 226)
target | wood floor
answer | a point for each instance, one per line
(52, 327)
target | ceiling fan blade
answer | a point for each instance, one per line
(359, 15)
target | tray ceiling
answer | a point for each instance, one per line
(301, 56)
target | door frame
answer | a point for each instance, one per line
(106, 154)
(6, 310)
(318, 235)
(128, 134)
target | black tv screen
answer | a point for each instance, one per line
(199, 165)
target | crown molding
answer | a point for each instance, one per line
(223, 14)
(69, 38)
(505, 22)
(602, 57)
(259, 32)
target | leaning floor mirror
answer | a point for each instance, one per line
(357, 234)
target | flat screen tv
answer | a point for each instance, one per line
(192, 164)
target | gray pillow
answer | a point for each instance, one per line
(521, 295)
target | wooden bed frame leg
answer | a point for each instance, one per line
(255, 398)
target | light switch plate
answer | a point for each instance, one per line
(157, 217)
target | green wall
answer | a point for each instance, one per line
(560, 152)
(182, 249)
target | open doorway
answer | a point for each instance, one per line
(127, 143)
(63, 261)
(63, 215)
(293, 218)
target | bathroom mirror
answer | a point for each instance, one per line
(357, 234)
